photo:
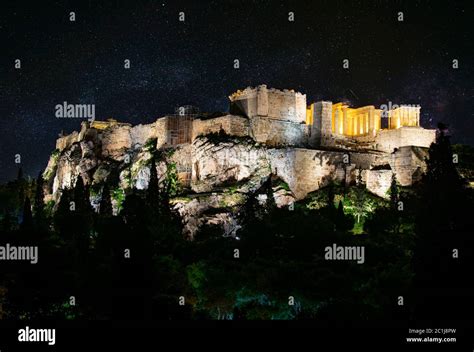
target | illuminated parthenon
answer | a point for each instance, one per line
(366, 120)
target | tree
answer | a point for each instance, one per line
(20, 181)
(63, 215)
(444, 223)
(83, 219)
(80, 194)
(152, 194)
(8, 221)
(38, 206)
(270, 203)
(343, 222)
(393, 192)
(27, 215)
(171, 180)
(105, 206)
(360, 204)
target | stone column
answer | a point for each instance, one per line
(371, 121)
(362, 120)
(367, 115)
(344, 121)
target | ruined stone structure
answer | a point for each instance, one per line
(306, 146)
(286, 105)
(338, 125)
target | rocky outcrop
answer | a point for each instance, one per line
(225, 163)
(217, 171)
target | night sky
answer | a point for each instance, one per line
(175, 63)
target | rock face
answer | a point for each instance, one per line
(218, 170)
(225, 163)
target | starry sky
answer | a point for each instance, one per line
(192, 62)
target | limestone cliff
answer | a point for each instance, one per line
(216, 172)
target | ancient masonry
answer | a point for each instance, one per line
(307, 145)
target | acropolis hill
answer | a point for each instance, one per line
(267, 132)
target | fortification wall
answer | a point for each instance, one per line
(300, 102)
(245, 102)
(389, 139)
(114, 140)
(306, 170)
(364, 160)
(140, 134)
(408, 164)
(161, 131)
(286, 105)
(322, 122)
(274, 132)
(231, 124)
(269, 102)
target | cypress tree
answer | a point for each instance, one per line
(105, 207)
(270, 203)
(27, 215)
(38, 206)
(153, 194)
(393, 192)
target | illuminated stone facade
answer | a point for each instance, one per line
(404, 116)
(286, 105)
(338, 125)
(304, 145)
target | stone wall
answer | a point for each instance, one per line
(231, 124)
(286, 105)
(274, 132)
(161, 132)
(322, 123)
(140, 134)
(278, 104)
(306, 170)
(366, 160)
(408, 164)
(389, 139)
(114, 141)
(245, 102)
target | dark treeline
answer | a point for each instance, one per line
(137, 265)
